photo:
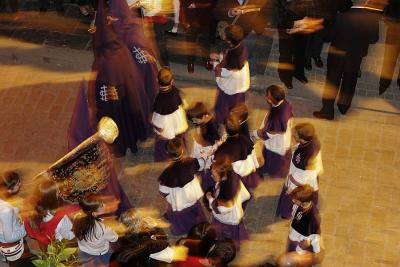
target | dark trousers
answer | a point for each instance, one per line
(195, 36)
(291, 56)
(315, 42)
(58, 4)
(161, 40)
(392, 52)
(340, 83)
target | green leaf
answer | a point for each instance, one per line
(40, 263)
(60, 265)
(66, 254)
(51, 249)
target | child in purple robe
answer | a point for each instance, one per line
(206, 139)
(232, 73)
(226, 201)
(305, 230)
(169, 117)
(305, 166)
(275, 131)
(181, 188)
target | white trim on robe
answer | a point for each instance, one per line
(165, 255)
(232, 215)
(297, 237)
(183, 197)
(280, 143)
(234, 81)
(172, 124)
(247, 166)
(305, 176)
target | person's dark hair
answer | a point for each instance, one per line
(206, 233)
(223, 166)
(164, 76)
(302, 193)
(85, 222)
(175, 148)
(234, 34)
(197, 111)
(305, 131)
(11, 179)
(240, 113)
(232, 125)
(277, 92)
(224, 251)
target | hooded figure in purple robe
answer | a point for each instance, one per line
(116, 89)
(79, 130)
(129, 28)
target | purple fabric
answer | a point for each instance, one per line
(251, 181)
(224, 103)
(278, 118)
(235, 58)
(306, 152)
(275, 165)
(182, 221)
(307, 223)
(207, 182)
(229, 188)
(237, 233)
(179, 172)
(237, 147)
(79, 126)
(285, 203)
(160, 145)
(167, 102)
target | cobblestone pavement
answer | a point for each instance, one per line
(358, 190)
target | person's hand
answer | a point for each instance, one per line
(234, 12)
(218, 70)
(208, 195)
(305, 244)
(306, 25)
(192, 5)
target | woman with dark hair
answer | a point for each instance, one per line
(93, 235)
(305, 166)
(226, 201)
(50, 220)
(206, 139)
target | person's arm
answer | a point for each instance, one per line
(109, 234)
(13, 229)
(64, 229)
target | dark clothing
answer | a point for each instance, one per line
(179, 173)
(167, 102)
(58, 4)
(355, 30)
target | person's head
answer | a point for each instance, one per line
(165, 78)
(198, 114)
(232, 124)
(134, 222)
(239, 112)
(275, 94)
(222, 253)
(84, 222)
(302, 195)
(294, 259)
(304, 132)
(234, 34)
(175, 148)
(202, 231)
(11, 182)
(221, 168)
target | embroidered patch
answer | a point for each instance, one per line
(108, 93)
(298, 158)
(140, 55)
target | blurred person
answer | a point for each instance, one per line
(354, 31)
(226, 202)
(275, 131)
(12, 230)
(86, 7)
(94, 237)
(305, 166)
(114, 91)
(128, 25)
(50, 219)
(58, 4)
(169, 116)
(200, 239)
(143, 243)
(9, 5)
(392, 45)
(239, 149)
(206, 139)
(231, 73)
(181, 188)
(305, 229)
(200, 27)
(253, 16)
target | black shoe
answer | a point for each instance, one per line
(382, 89)
(343, 109)
(359, 74)
(301, 78)
(318, 62)
(289, 86)
(308, 65)
(190, 67)
(321, 115)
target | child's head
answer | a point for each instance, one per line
(202, 231)
(198, 114)
(304, 132)
(11, 182)
(232, 124)
(85, 221)
(222, 253)
(234, 34)
(239, 112)
(275, 94)
(135, 222)
(221, 168)
(302, 195)
(175, 148)
(165, 77)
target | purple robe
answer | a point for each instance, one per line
(275, 164)
(177, 175)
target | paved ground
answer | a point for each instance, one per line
(359, 188)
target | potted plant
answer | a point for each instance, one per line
(58, 254)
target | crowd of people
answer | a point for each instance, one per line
(212, 166)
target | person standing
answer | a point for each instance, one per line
(354, 31)
(392, 45)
